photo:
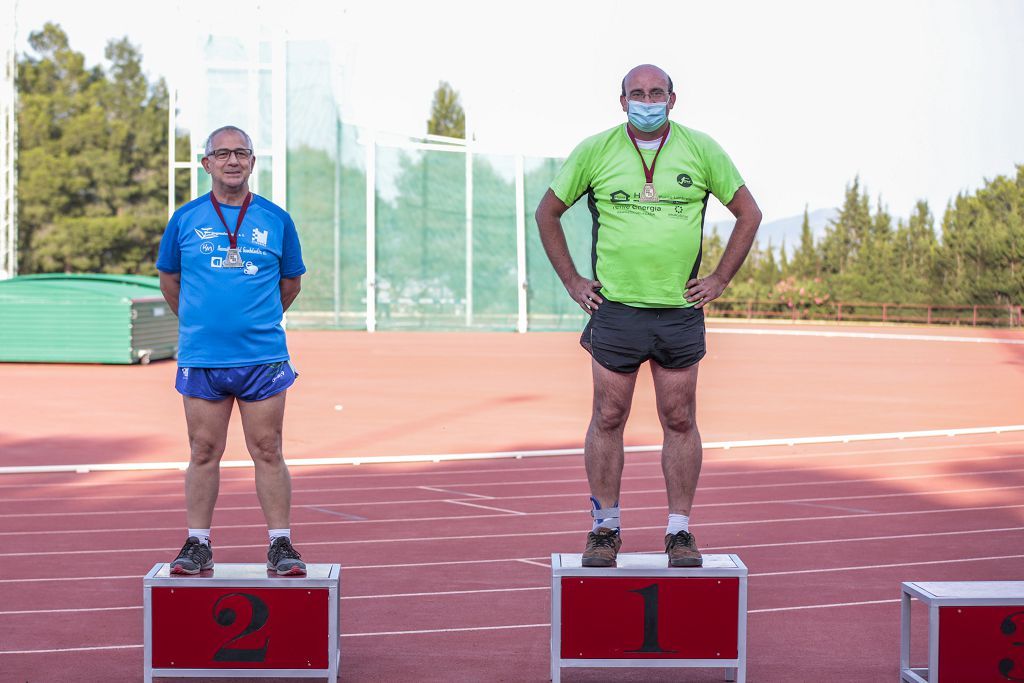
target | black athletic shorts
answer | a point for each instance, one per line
(621, 337)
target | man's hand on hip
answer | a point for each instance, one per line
(701, 291)
(584, 292)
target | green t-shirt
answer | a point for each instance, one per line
(643, 253)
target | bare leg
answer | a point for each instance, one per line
(681, 452)
(262, 422)
(603, 455)
(207, 435)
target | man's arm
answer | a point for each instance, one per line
(290, 287)
(552, 236)
(170, 287)
(748, 218)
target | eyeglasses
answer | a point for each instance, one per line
(656, 95)
(223, 154)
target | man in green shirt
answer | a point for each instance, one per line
(647, 185)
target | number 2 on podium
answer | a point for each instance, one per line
(226, 617)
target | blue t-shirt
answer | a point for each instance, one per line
(230, 317)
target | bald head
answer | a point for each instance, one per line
(646, 73)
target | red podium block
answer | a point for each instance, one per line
(975, 631)
(643, 613)
(239, 620)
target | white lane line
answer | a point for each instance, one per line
(336, 513)
(576, 530)
(533, 482)
(322, 507)
(448, 630)
(70, 610)
(810, 502)
(47, 579)
(505, 482)
(70, 649)
(833, 507)
(494, 628)
(475, 591)
(540, 563)
(443, 630)
(484, 507)
(710, 459)
(545, 565)
(827, 570)
(490, 455)
(831, 604)
(435, 489)
(868, 335)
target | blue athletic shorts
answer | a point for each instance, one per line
(249, 383)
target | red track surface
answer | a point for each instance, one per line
(817, 525)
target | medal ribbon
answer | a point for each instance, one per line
(232, 238)
(648, 172)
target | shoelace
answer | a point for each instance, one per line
(284, 550)
(190, 549)
(604, 540)
(681, 538)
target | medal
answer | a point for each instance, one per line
(648, 194)
(233, 259)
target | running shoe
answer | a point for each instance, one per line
(602, 547)
(195, 556)
(284, 559)
(682, 550)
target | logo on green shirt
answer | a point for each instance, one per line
(684, 180)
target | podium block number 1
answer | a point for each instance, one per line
(650, 621)
(649, 617)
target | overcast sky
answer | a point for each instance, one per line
(921, 99)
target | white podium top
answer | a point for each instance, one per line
(647, 564)
(228, 574)
(967, 592)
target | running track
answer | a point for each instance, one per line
(445, 564)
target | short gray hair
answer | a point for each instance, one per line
(226, 129)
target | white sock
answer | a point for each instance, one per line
(278, 533)
(677, 523)
(202, 534)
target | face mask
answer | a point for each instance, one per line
(647, 117)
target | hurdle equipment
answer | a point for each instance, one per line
(242, 620)
(643, 613)
(975, 631)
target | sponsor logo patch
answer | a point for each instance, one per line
(208, 233)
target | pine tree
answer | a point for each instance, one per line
(806, 262)
(92, 159)
(446, 114)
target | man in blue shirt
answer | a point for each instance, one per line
(230, 265)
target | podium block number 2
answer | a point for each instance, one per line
(650, 619)
(226, 616)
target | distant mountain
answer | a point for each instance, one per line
(783, 230)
